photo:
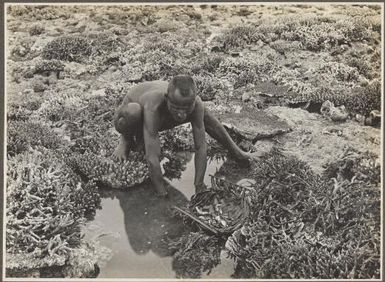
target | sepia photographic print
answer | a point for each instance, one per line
(179, 141)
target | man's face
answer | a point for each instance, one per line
(180, 107)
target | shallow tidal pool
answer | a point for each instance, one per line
(137, 226)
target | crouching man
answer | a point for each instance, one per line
(152, 107)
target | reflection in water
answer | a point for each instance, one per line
(140, 225)
(148, 219)
(175, 164)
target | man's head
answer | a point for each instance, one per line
(180, 97)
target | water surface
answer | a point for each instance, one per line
(136, 225)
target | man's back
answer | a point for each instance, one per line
(141, 92)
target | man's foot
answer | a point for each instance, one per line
(122, 151)
(245, 158)
(254, 155)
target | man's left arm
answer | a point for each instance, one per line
(200, 145)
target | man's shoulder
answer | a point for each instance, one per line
(153, 93)
(140, 89)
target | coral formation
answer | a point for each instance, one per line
(108, 173)
(36, 30)
(209, 87)
(24, 134)
(46, 203)
(61, 135)
(39, 12)
(294, 223)
(197, 253)
(46, 67)
(178, 138)
(68, 48)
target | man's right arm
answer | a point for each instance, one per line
(152, 145)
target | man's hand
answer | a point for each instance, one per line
(122, 150)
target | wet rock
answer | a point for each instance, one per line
(28, 91)
(132, 73)
(263, 147)
(38, 85)
(246, 145)
(360, 118)
(164, 25)
(246, 182)
(328, 110)
(74, 70)
(374, 118)
(253, 125)
(330, 131)
(246, 97)
(99, 93)
(134, 77)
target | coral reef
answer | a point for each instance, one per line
(197, 253)
(39, 12)
(174, 164)
(63, 91)
(68, 48)
(22, 51)
(81, 262)
(179, 138)
(236, 37)
(24, 134)
(298, 253)
(294, 223)
(36, 30)
(209, 87)
(365, 99)
(46, 204)
(46, 67)
(108, 173)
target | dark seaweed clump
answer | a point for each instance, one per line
(197, 253)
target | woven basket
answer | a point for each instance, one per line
(221, 209)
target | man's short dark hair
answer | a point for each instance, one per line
(184, 83)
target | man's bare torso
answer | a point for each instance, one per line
(151, 96)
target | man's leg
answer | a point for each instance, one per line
(216, 130)
(128, 121)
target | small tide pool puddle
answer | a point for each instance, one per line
(137, 226)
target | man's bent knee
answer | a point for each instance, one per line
(128, 117)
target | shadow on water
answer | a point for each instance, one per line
(137, 226)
